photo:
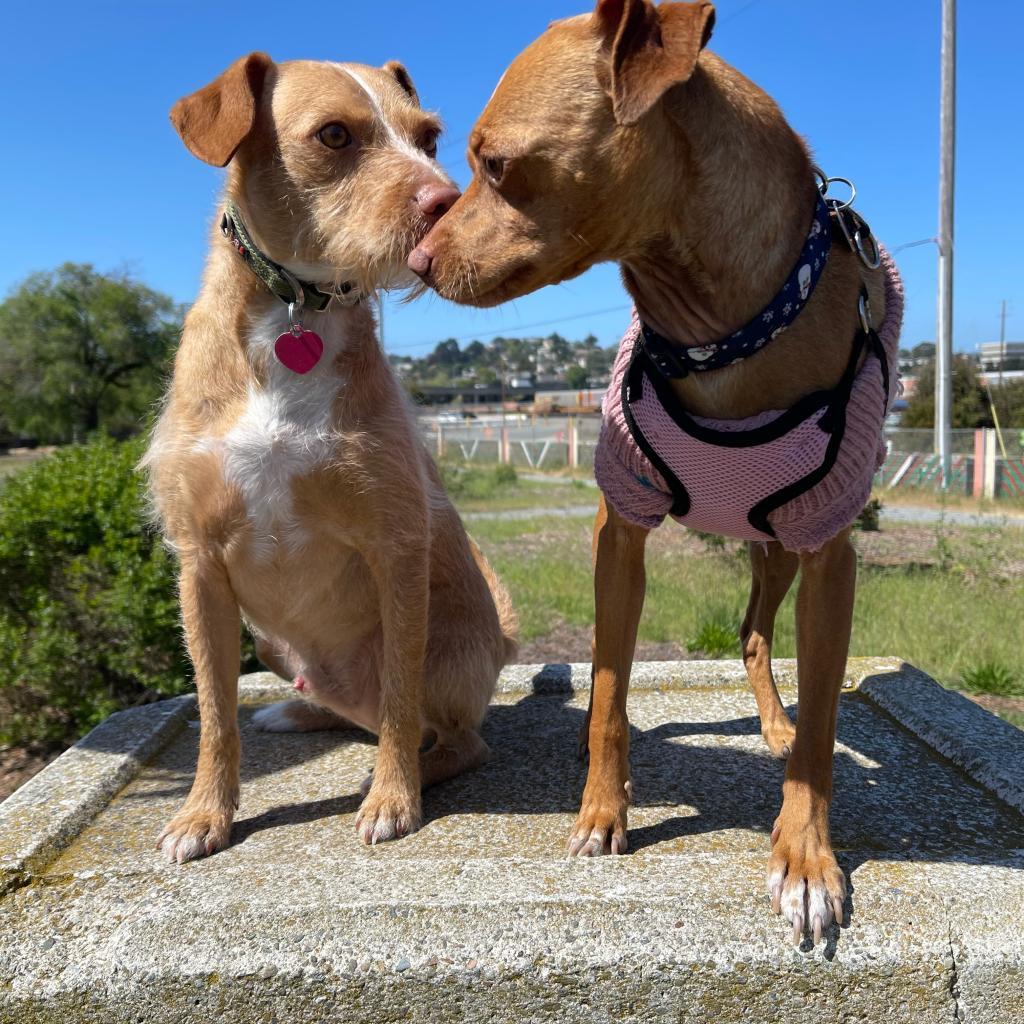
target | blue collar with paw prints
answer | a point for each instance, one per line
(672, 359)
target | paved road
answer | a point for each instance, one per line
(892, 513)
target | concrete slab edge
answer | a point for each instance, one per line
(985, 747)
(44, 815)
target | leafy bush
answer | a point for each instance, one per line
(475, 481)
(717, 634)
(88, 604)
(990, 677)
(868, 520)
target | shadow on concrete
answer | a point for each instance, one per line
(895, 799)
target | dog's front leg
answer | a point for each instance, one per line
(391, 808)
(212, 629)
(805, 882)
(619, 584)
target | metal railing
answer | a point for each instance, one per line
(557, 442)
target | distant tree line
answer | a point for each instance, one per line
(82, 352)
(575, 362)
(971, 405)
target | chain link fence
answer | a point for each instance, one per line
(560, 442)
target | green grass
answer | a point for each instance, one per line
(475, 487)
(958, 620)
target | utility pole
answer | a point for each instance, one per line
(947, 144)
(1002, 342)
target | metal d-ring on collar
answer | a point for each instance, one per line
(296, 306)
(854, 227)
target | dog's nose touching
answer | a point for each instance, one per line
(436, 200)
(419, 261)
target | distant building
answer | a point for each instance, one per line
(1005, 355)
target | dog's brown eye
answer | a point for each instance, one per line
(494, 168)
(429, 144)
(334, 136)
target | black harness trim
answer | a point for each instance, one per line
(633, 384)
(832, 422)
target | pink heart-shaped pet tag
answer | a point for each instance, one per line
(300, 353)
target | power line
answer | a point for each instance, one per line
(502, 331)
(454, 142)
(911, 245)
(735, 14)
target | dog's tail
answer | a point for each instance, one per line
(507, 618)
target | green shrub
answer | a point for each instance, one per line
(477, 482)
(505, 474)
(88, 606)
(870, 514)
(990, 677)
(717, 634)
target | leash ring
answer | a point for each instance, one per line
(836, 204)
(874, 261)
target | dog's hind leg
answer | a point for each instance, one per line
(772, 572)
(451, 754)
(298, 716)
(275, 655)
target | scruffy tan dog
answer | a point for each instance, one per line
(617, 136)
(286, 467)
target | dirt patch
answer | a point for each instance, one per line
(572, 643)
(19, 764)
(997, 704)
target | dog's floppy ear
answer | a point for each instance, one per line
(401, 75)
(652, 49)
(214, 121)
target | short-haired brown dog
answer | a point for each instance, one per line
(617, 136)
(286, 467)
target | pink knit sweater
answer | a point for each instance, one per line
(724, 482)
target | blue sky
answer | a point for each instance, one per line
(93, 171)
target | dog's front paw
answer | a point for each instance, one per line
(806, 884)
(193, 834)
(387, 815)
(601, 825)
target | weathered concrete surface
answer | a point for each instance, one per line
(477, 917)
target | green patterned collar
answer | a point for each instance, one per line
(281, 282)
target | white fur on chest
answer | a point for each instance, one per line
(285, 432)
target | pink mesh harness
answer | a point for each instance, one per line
(798, 475)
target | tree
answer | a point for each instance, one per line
(446, 354)
(80, 351)
(576, 377)
(476, 352)
(1009, 402)
(970, 403)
